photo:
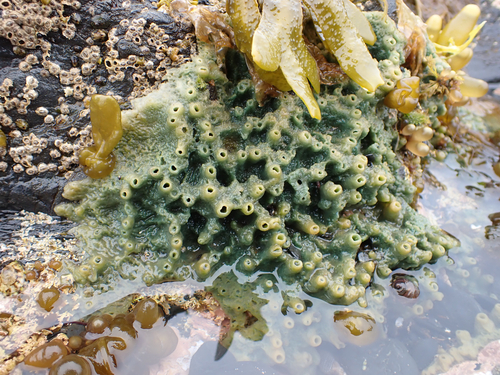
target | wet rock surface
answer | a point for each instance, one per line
(33, 194)
(63, 73)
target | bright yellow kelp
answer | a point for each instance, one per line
(452, 42)
(272, 41)
(459, 32)
(343, 40)
(278, 43)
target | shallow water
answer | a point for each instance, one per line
(393, 335)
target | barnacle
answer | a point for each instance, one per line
(273, 43)
(98, 160)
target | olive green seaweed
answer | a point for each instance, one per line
(201, 182)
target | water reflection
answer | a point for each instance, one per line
(242, 305)
(356, 327)
(418, 322)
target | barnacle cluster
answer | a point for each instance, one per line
(144, 38)
(199, 183)
(22, 22)
(272, 41)
(19, 103)
(155, 46)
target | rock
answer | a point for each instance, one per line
(63, 101)
(32, 194)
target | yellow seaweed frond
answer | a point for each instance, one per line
(276, 78)
(359, 20)
(245, 18)
(457, 34)
(272, 40)
(460, 26)
(405, 96)
(278, 43)
(452, 49)
(452, 43)
(343, 41)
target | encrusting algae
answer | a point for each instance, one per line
(228, 182)
(199, 181)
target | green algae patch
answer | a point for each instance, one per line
(202, 183)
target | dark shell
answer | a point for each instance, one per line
(405, 285)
